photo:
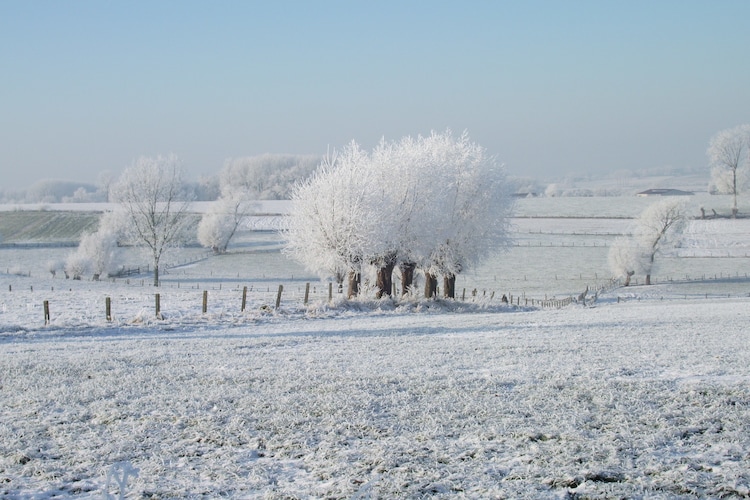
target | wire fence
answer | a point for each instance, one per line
(216, 300)
(235, 295)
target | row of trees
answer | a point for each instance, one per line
(435, 204)
(263, 177)
(154, 199)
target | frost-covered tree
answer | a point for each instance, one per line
(472, 202)
(625, 258)
(76, 265)
(55, 265)
(104, 182)
(658, 227)
(152, 197)
(326, 230)
(268, 176)
(219, 224)
(97, 251)
(729, 156)
(206, 188)
(399, 228)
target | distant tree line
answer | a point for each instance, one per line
(154, 200)
(262, 177)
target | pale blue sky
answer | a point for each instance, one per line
(550, 87)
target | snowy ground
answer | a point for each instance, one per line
(644, 394)
(644, 398)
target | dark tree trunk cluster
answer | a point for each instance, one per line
(384, 281)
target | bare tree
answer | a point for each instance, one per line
(151, 194)
(729, 154)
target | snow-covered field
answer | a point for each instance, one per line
(645, 393)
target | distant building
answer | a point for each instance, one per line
(664, 192)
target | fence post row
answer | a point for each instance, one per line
(543, 303)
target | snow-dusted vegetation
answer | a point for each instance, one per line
(438, 204)
(643, 393)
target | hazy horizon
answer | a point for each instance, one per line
(548, 87)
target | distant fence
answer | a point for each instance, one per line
(46, 244)
(125, 272)
(729, 277)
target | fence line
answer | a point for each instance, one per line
(587, 297)
(109, 306)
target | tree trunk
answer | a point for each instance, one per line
(156, 274)
(449, 286)
(628, 275)
(430, 286)
(651, 260)
(407, 276)
(734, 192)
(354, 281)
(384, 280)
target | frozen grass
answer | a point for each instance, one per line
(638, 399)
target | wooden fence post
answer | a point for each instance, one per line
(278, 296)
(46, 312)
(108, 308)
(158, 305)
(244, 298)
(307, 292)
(205, 301)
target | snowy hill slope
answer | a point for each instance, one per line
(45, 226)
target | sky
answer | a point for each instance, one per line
(551, 88)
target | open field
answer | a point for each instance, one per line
(23, 226)
(643, 394)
